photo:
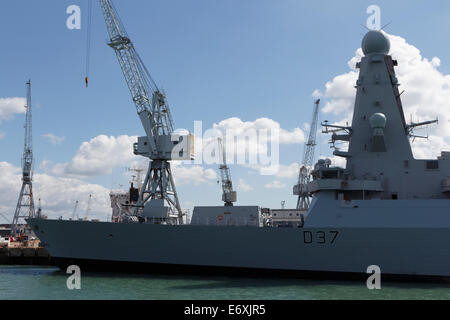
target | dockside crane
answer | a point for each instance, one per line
(75, 210)
(228, 194)
(158, 198)
(88, 208)
(299, 189)
(25, 204)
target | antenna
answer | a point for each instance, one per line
(365, 27)
(386, 25)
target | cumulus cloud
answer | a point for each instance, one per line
(244, 186)
(53, 139)
(426, 96)
(10, 183)
(284, 171)
(236, 127)
(248, 143)
(275, 185)
(244, 139)
(99, 156)
(192, 174)
(11, 106)
(58, 195)
(288, 171)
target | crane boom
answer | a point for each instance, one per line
(150, 102)
(307, 163)
(88, 208)
(74, 210)
(160, 143)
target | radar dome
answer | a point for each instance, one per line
(375, 42)
(377, 120)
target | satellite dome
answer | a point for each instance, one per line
(375, 42)
(377, 120)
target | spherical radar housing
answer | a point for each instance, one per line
(375, 42)
(378, 120)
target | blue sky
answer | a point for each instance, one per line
(215, 60)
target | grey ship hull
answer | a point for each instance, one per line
(419, 252)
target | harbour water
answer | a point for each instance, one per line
(33, 282)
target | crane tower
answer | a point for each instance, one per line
(158, 198)
(25, 204)
(307, 163)
(228, 195)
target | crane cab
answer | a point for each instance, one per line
(171, 147)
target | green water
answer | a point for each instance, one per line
(31, 282)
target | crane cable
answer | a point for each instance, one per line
(88, 41)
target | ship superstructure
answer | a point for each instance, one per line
(383, 208)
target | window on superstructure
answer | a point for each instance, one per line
(432, 165)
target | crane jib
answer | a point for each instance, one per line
(158, 198)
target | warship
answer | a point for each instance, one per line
(384, 208)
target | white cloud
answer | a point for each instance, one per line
(248, 143)
(192, 174)
(244, 186)
(57, 194)
(288, 171)
(11, 106)
(99, 156)
(2, 135)
(426, 96)
(275, 185)
(284, 171)
(236, 127)
(10, 183)
(431, 148)
(337, 161)
(53, 139)
(316, 94)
